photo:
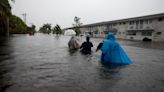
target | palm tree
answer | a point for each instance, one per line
(46, 28)
(57, 30)
(77, 25)
(5, 12)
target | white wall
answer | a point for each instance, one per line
(159, 27)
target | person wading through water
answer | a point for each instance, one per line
(86, 46)
(112, 52)
(73, 43)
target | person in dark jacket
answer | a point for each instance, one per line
(86, 46)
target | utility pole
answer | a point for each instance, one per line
(24, 17)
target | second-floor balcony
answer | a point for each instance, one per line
(140, 27)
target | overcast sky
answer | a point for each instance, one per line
(62, 12)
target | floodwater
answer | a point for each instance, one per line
(43, 63)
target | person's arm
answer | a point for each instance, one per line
(99, 46)
(77, 44)
(69, 44)
(91, 45)
(82, 45)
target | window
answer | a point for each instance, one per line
(146, 21)
(109, 26)
(147, 27)
(96, 31)
(131, 33)
(131, 27)
(130, 23)
(150, 21)
(141, 21)
(146, 33)
(141, 24)
(137, 22)
(114, 24)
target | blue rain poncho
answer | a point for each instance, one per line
(113, 53)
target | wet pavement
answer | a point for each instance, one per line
(43, 63)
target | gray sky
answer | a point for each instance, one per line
(62, 12)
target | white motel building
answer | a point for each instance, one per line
(137, 28)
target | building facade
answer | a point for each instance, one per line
(138, 28)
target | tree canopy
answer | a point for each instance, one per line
(77, 25)
(57, 30)
(5, 12)
(46, 28)
(16, 25)
(5, 8)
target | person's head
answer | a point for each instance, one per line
(87, 38)
(111, 36)
(73, 36)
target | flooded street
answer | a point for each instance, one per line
(43, 63)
